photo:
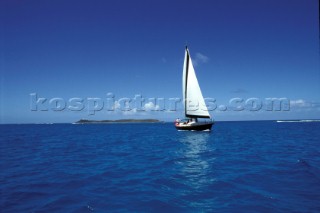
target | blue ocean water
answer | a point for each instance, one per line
(238, 167)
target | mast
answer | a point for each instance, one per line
(186, 82)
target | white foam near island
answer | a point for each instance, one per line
(297, 121)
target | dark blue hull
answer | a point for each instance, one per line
(197, 127)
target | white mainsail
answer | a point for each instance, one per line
(194, 103)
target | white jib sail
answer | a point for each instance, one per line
(193, 100)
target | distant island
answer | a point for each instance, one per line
(84, 121)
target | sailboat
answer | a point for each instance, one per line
(195, 108)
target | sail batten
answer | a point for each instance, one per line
(194, 103)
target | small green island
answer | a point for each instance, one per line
(84, 121)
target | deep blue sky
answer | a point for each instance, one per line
(249, 48)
